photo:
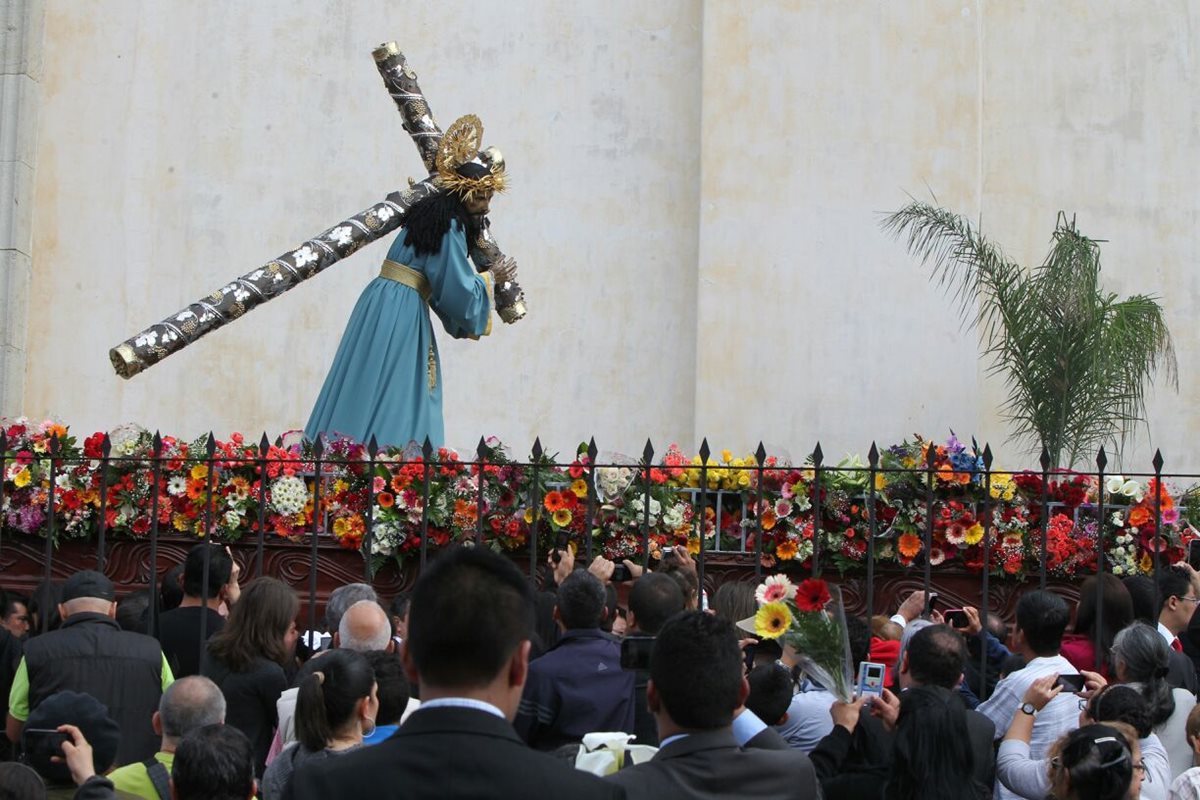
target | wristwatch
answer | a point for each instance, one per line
(1027, 708)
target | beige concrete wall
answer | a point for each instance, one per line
(819, 116)
(697, 194)
(185, 143)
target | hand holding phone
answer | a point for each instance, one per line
(43, 742)
(930, 600)
(1070, 683)
(870, 679)
(956, 618)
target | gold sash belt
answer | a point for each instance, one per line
(402, 273)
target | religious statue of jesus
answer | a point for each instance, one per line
(386, 378)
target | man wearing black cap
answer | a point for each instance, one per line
(90, 653)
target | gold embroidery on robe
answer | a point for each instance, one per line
(432, 369)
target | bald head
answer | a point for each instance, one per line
(189, 704)
(365, 627)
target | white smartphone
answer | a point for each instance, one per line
(870, 679)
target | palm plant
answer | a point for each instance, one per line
(1075, 359)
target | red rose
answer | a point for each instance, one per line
(812, 595)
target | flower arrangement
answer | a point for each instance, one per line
(386, 504)
(810, 619)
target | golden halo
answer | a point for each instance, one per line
(460, 143)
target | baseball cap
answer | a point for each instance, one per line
(88, 583)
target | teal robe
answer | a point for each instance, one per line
(386, 379)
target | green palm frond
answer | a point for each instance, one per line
(1075, 361)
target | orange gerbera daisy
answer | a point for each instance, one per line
(768, 519)
(786, 550)
(1139, 516)
(385, 499)
(909, 545)
(553, 501)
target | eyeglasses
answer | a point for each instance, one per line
(1190, 599)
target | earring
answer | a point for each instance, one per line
(370, 733)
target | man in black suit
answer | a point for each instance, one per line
(696, 689)
(470, 621)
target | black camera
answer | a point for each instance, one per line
(635, 652)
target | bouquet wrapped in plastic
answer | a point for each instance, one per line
(811, 620)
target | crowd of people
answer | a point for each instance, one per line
(480, 683)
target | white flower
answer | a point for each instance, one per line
(1118, 519)
(673, 518)
(1131, 488)
(232, 519)
(177, 486)
(774, 589)
(289, 495)
(1114, 484)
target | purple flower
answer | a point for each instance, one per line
(30, 519)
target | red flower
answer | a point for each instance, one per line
(92, 445)
(812, 595)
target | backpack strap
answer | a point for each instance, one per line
(157, 772)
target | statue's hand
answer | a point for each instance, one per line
(504, 270)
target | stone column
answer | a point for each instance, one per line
(21, 34)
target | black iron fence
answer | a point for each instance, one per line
(916, 505)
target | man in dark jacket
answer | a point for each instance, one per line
(90, 653)
(697, 691)
(578, 686)
(469, 626)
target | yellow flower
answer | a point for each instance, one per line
(693, 545)
(579, 488)
(743, 480)
(22, 478)
(726, 456)
(339, 527)
(199, 472)
(340, 485)
(562, 517)
(529, 516)
(772, 620)
(786, 550)
(179, 522)
(1147, 563)
(880, 481)
(1003, 487)
(974, 534)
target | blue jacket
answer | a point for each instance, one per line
(577, 687)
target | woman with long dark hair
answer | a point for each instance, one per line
(932, 757)
(247, 658)
(386, 378)
(1116, 605)
(335, 708)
